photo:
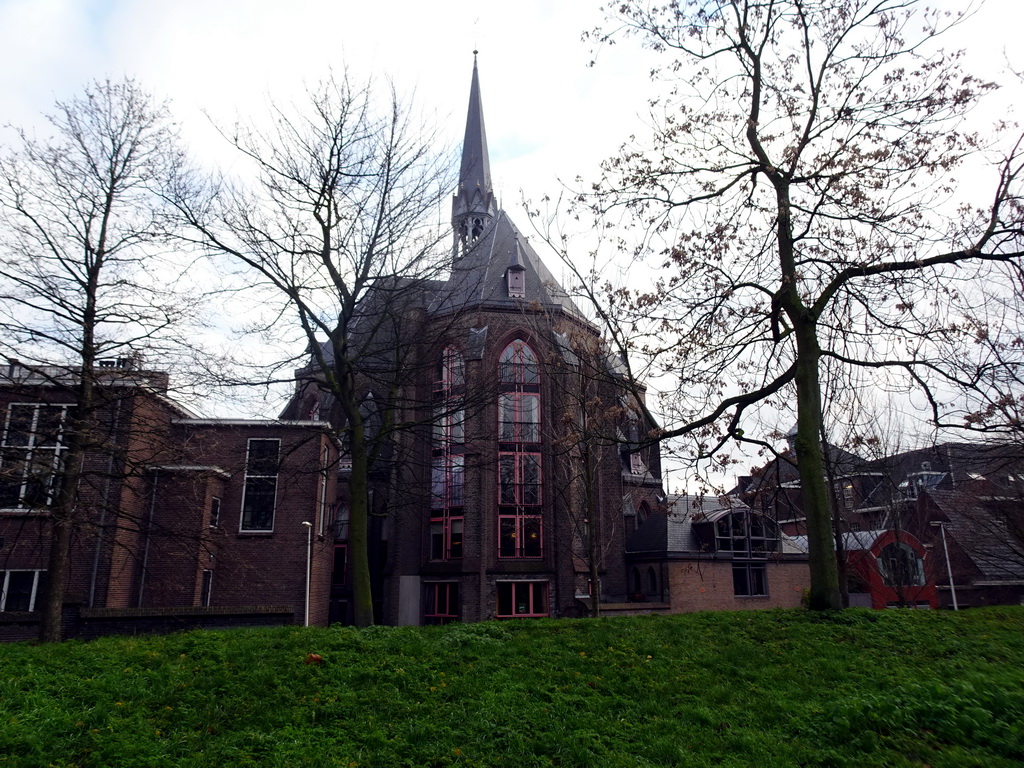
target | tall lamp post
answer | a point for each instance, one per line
(949, 570)
(309, 563)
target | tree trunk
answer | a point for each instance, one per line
(824, 592)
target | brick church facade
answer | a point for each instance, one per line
(486, 509)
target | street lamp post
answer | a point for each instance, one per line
(309, 563)
(949, 570)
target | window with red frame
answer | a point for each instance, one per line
(522, 599)
(519, 510)
(519, 417)
(441, 603)
(520, 530)
(451, 371)
(518, 364)
(447, 466)
(446, 508)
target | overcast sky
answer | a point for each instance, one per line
(548, 115)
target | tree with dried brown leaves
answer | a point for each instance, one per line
(799, 203)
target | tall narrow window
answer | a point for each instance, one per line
(339, 574)
(32, 454)
(447, 464)
(520, 530)
(441, 603)
(324, 508)
(260, 494)
(751, 538)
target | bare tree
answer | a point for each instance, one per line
(798, 204)
(335, 226)
(82, 277)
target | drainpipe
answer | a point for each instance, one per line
(149, 529)
(309, 564)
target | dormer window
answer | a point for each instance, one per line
(516, 277)
(515, 274)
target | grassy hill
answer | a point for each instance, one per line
(779, 688)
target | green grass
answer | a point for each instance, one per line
(779, 688)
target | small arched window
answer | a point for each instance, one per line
(652, 581)
(642, 513)
(518, 364)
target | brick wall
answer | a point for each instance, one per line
(708, 586)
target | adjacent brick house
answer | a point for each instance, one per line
(175, 513)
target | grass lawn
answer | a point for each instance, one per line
(776, 688)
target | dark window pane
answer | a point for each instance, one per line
(507, 533)
(340, 566)
(19, 425)
(258, 507)
(739, 580)
(48, 424)
(505, 598)
(263, 457)
(530, 479)
(12, 476)
(19, 590)
(507, 479)
(540, 598)
(758, 579)
(531, 546)
(437, 540)
(455, 551)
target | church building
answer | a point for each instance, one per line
(530, 468)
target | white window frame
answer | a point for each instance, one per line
(59, 449)
(245, 486)
(5, 582)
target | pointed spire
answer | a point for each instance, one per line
(473, 206)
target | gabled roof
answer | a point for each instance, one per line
(478, 277)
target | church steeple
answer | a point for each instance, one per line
(473, 206)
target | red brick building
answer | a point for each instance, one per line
(180, 521)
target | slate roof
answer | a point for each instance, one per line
(853, 541)
(674, 532)
(980, 526)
